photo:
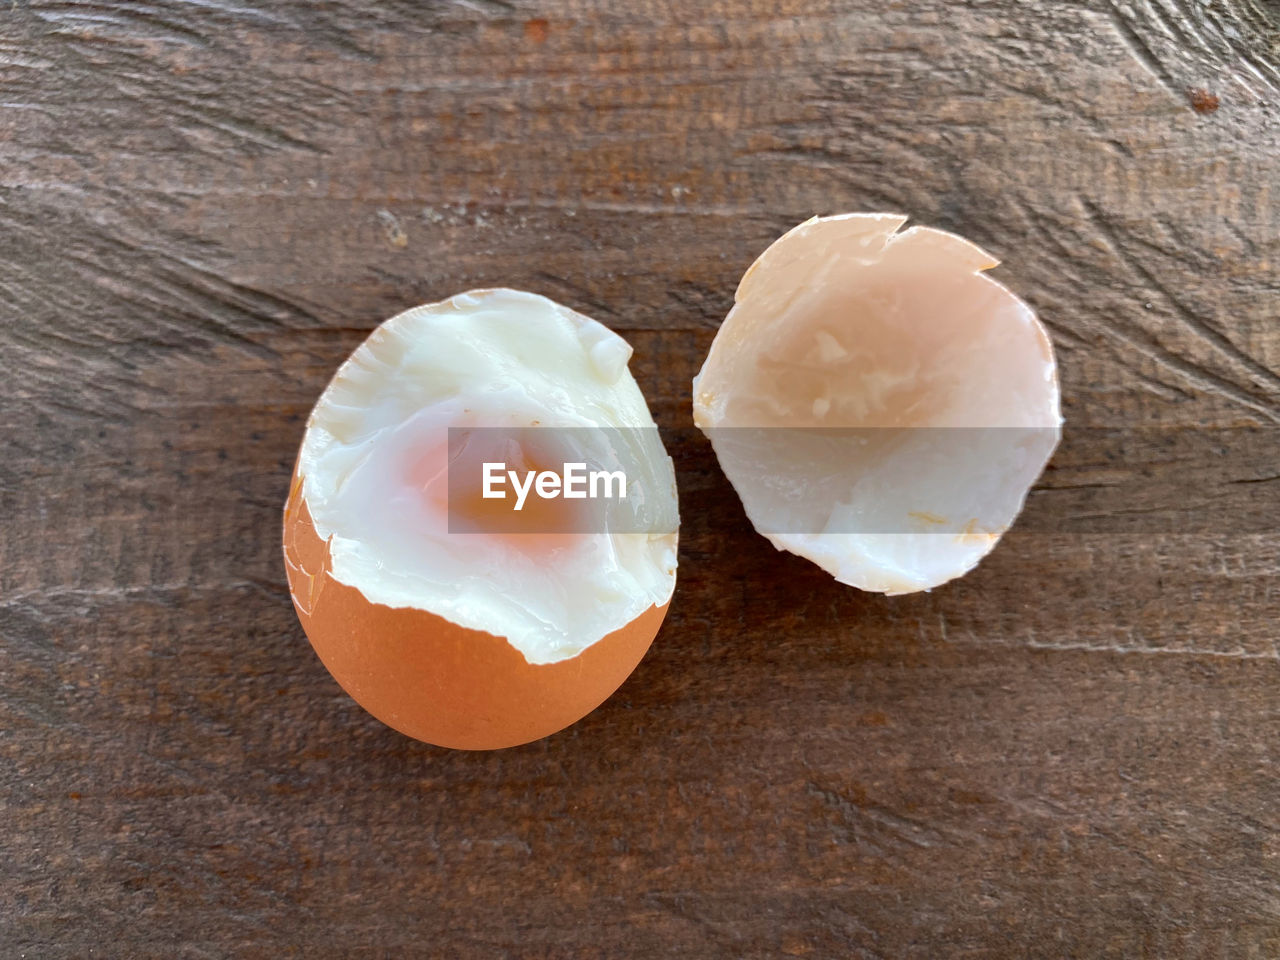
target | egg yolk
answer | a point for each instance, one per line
(449, 477)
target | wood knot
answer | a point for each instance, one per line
(1202, 101)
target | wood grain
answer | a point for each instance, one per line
(205, 206)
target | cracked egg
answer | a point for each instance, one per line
(880, 404)
(480, 639)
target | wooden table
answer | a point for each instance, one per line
(205, 205)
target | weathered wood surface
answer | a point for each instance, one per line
(205, 205)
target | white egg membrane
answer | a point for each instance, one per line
(892, 339)
(487, 358)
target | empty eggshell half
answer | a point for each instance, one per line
(880, 405)
(472, 640)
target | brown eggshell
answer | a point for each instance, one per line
(434, 680)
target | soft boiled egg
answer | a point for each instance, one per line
(878, 402)
(452, 630)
